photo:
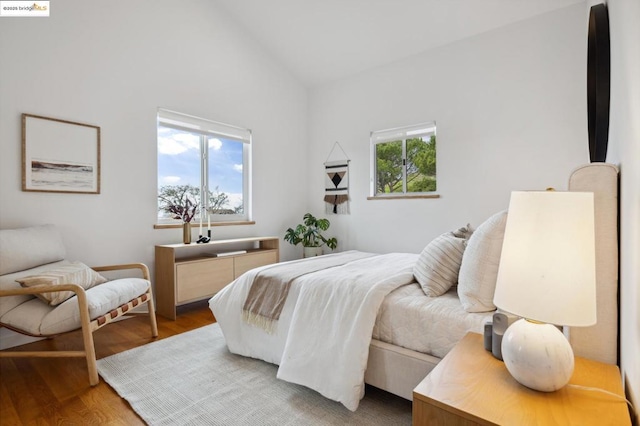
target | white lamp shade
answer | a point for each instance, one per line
(547, 268)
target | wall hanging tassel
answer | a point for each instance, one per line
(336, 192)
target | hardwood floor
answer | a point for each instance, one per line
(48, 391)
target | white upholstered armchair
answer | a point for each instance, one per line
(44, 295)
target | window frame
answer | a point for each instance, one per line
(206, 129)
(425, 129)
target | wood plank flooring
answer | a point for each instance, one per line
(47, 391)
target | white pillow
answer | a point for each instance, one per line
(73, 273)
(479, 268)
(26, 248)
(437, 267)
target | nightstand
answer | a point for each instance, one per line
(471, 387)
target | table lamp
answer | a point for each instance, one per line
(546, 276)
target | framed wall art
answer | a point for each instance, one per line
(60, 155)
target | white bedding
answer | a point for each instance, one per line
(328, 328)
(322, 327)
(430, 325)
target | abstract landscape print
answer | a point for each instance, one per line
(49, 174)
(60, 155)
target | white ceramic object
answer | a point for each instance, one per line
(312, 251)
(537, 355)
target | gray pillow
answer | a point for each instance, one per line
(436, 269)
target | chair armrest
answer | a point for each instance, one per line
(83, 306)
(143, 268)
(38, 289)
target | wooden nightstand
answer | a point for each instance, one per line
(471, 387)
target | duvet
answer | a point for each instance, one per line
(322, 335)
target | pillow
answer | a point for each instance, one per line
(479, 268)
(73, 273)
(437, 267)
(26, 248)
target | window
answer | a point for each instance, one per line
(403, 161)
(198, 156)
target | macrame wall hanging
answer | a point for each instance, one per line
(336, 188)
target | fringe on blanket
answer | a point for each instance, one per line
(336, 194)
(257, 320)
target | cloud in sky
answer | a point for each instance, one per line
(178, 143)
(170, 180)
(179, 160)
(215, 143)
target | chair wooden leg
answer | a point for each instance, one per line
(152, 316)
(87, 337)
(91, 357)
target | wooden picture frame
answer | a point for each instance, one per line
(60, 155)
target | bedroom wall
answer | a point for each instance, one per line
(624, 150)
(511, 111)
(510, 107)
(112, 65)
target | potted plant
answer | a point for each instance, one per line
(180, 202)
(309, 234)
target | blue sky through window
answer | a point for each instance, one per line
(179, 162)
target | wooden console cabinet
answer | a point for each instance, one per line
(186, 273)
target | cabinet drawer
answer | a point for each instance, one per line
(252, 260)
(199, 279)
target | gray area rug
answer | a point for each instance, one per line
(192, 379)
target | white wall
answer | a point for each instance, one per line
(511, 112)
(624, 149)
(510, 107)
(113, 66)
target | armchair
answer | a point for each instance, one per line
(33, 255)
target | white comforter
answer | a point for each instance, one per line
(322, 337)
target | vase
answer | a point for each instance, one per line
(312, 251)
(186, 233)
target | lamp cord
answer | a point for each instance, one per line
(615, 395)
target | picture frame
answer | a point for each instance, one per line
(60, 155)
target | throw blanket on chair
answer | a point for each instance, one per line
(270, 287)
(336, 193)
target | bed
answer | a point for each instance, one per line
(337, 322)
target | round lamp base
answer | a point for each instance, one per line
(537, 355)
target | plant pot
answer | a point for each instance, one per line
(186, 233)
(312, 251)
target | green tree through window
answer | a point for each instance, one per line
(389, 167)
(405, 164)
(421, 164)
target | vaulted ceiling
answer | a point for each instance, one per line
(324, 40)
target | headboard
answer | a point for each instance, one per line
(600, 342)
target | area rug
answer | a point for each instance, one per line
(192, 379)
